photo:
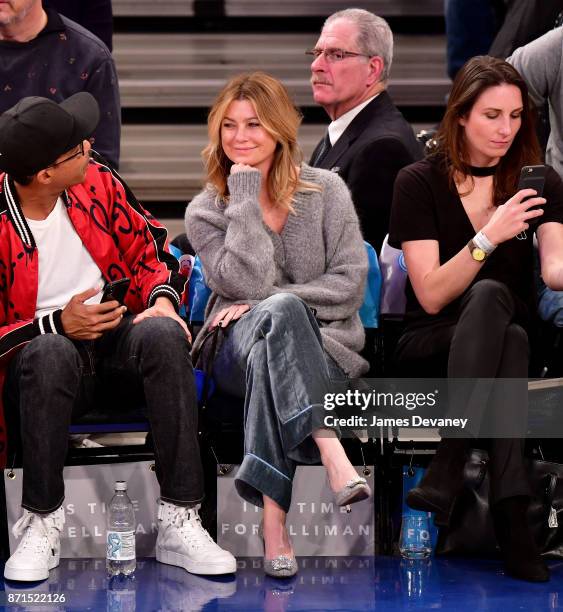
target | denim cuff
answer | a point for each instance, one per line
(27, 506)
(298, 439)
(181, 503)
(255, 478)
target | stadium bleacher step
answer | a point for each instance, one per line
(266, 8)
(163, 163)
(173, 76)
(150, 8)
(187, 70)
(385, 8)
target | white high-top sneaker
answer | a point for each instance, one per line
(183, 541)
(39, 549)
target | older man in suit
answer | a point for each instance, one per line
(368, 141)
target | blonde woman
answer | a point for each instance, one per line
(282, 252)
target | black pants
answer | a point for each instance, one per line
(482, 340)
(53, 378)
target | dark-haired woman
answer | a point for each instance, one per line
(466, 233)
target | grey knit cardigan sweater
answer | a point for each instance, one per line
(319, 256)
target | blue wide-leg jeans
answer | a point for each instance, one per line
(273, 357)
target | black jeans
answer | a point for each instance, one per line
(53, 378)
(482, 340)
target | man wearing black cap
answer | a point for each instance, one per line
(68, 224)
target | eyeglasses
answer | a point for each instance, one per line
(334, 55)
(79, 152)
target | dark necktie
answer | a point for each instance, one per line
(323, 151)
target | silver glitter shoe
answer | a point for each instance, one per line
(353, 491)
(283, 566)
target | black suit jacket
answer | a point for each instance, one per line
(368, 156)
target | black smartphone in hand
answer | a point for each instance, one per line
(531, 177)
(116, 290)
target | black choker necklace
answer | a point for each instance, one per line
(483, 170)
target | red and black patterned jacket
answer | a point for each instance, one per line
(122, 238)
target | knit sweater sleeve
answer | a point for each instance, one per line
(235, 249)
(339, 292)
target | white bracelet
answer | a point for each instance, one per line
(484, 243)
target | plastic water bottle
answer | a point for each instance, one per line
(120, 533)
(414, 541)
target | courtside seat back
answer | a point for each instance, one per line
(199, 292)
(394, 278)
(369, 310)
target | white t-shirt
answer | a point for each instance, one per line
(65, 266)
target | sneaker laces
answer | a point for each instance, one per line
(188, 522)
(42, 526)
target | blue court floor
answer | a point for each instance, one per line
(323, 584)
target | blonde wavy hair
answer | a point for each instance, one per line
(279, 117)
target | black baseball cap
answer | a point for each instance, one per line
(36, 131)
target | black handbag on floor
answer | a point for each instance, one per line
(471, 529)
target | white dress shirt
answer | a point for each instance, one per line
(338, 126)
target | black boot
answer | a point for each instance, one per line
(442, 482)
(519, 550)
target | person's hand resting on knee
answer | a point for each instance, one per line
(163, 308)
(232, 313)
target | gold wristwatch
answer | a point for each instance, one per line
(477, 253)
